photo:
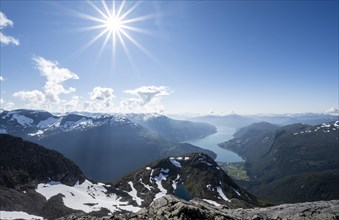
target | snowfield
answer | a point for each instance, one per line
(17, 215)
(87, 196)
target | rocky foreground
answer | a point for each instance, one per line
(170, 207)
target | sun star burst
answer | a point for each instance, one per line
(115, 24)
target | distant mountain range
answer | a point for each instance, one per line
(44, 183)
(293, 163)
(105, 146)
(239, 121)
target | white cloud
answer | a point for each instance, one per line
(101, 100)
(72, 104)
(4, 39)
(6, 104)
(4, 21)
(7, 40)
(55, 77)
(332, 110)
(101, 93)
(2, 78)
(148, 99)
(35, 98)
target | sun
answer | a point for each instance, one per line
(115, 24)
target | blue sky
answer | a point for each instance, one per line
(198, 57)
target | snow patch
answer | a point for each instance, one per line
(164, 170)
(158, 180)
(22, 120)
(87, 196)
(133, 194)
(17, 215)
(175, 163)
(47, 123)
(38, 133)
(222, 195)
(324, 125)
(175, 182)
(236, 191)
(212, 202)
(186, 158)
(146, 185)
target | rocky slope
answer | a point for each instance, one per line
(192, 176)
(24, 165)
(294, 163)
(170, 207)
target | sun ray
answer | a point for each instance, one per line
(131, 9)
(115, 22)
(98, 10)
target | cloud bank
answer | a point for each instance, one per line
(56, 98)
(147, 99)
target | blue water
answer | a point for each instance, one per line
(211, 143)
(182, 193)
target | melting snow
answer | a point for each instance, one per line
(179, 158)
(148, 168)
(175, 182)
(212, 202)
(47, 123)
(134, 195)
(158, 180)
(187, 158)
(39, 132)
(324, 125)
(23, 120)
(164, 170)
(87, 196)
(175, 163)
(17, 215)
(145, 185)
(222, 195)
(236, 191)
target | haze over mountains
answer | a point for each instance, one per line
(239, 121)
(105, 146)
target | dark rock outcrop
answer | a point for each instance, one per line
(24, 164)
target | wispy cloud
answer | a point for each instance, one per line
(148, 99)
(55, 77)
(4, 21)
(49, 99)
(4, 39)
(35, 98)
(2, 78)
(332, 110)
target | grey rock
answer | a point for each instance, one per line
(170, 207)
